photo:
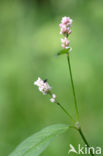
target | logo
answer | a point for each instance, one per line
(84, 150)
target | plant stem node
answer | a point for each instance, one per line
(77, 125)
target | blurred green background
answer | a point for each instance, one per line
(29, 41)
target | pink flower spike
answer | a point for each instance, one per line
(65, 25)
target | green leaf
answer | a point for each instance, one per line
(64, 51)
(35, 144)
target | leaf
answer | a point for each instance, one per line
(64, 51)
(36, 144)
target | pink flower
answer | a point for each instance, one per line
(69, 32)
(65, 43)
(63, 29)
(54, 96)
(66, 20)
(65, 26)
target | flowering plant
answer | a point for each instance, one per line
(34, 145)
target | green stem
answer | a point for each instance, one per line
(75, 100)
(65, 111)
(84, 139)
(76, 106)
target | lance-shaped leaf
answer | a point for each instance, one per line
(63, 51)
(35, 144)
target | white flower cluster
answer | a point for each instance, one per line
(42, 85)
(65, 25)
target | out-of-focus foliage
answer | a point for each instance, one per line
(29, 41)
